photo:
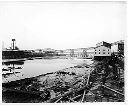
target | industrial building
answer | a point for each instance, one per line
(102, 49)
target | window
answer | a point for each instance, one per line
(99, 52)
(108, 52)
(103, 49)
(108, 49)
(103, 52)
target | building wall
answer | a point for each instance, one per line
(69, 52)
(102, 51)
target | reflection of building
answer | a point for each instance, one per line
(117, 47)
(102, 49)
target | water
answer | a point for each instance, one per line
(31, 68)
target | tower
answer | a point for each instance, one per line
(13, 44)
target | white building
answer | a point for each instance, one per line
(102, 49)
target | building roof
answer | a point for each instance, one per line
(103, 43)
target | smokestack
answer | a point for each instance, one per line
(13, 44)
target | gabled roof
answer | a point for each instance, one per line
(103, 43)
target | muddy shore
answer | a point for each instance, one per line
(96, 82)
(69, 78)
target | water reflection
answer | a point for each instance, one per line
(30, 68)
(10, 68)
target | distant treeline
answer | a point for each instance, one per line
(17, 54)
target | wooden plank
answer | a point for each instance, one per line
(59, 99)
(76, 97)
(83, 96)
(113, 90)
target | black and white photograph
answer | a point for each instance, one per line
(63, 51)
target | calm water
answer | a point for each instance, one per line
(31, 68)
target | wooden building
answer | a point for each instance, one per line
(102, 49)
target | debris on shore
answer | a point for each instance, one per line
(99, 81)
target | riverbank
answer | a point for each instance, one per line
(100, 81)
(68, 79)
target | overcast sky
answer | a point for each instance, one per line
(61, 25)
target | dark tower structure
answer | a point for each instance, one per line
(13, 44)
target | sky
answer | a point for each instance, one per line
(61, 25)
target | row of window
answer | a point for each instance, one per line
(103, 50)
(103, 53)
